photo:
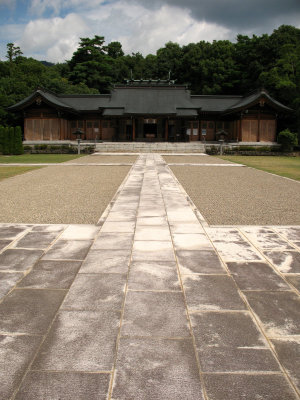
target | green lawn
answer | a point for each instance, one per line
(283, 166)
(7, 172)
(38, 158)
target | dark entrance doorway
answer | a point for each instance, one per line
(150, 129)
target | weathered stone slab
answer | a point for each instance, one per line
(231, 329)
(128, 215)
(11, 232)
(112, 241)
(29, 310)
(191, 241)
(159, 314)
(19, 259)
(294, 280)
(199, 262)
(288, 352)
(68, 250)
(182, 227)
(156, 369)
(4, 243)
(103, 261)
(48, 228)
(36, 240)
(64, 385)
(278, 311)
(248, 387)
(118, 226)
(103, 292)
(160, 221)
(256, 276)
(50, 274)
(287, 262)
(265, 238)
(153, 275)
(16, 352)
(230, 341)
(79, 341)
(152, 251)
(152, 233)
(8, 280)
(292, 233)
(211, 292)
(80, 232)
(158, 211)
(225, 359)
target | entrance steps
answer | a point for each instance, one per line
(154, 147)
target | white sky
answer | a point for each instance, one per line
(50, 29)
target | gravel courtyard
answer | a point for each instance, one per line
(238, 195)
(60, 194)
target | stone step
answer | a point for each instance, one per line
(141, 147)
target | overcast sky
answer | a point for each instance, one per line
(50, 29)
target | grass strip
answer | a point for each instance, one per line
(8, 172)
(39, 158)
(278, 165)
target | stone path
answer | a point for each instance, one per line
(152, 304)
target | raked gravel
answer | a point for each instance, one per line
(104, 159)
(241, 196)
(59, 194)
(195, 159)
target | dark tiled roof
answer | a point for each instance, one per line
(215, 103)
(149, 100)
(152, 100)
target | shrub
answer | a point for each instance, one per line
(287, 139)
(18, 141)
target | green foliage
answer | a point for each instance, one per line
(18, 141)
(13, 52)
(11, 140)
(221, 67)
(287, 139)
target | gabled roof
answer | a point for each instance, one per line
(255, 98)
(168, 100)
(153, 100)
(48, 97)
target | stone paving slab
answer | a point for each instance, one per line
(152, 303)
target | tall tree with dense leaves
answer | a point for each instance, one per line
(13, 52)
(91, 65)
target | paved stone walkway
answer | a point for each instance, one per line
(152, 304)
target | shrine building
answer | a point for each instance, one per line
(152, 111)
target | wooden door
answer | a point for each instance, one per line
(194, 126)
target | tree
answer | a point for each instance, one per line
(13, 52)
(91, 65)
(114, 50)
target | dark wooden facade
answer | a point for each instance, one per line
(49, 117)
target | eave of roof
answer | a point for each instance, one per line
(254, 98)
(47, 97)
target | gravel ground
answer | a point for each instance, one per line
(237, 196)
(119, 159)
(59, 194)
(195, 159)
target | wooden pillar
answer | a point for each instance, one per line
(258, 128)
(240, 130)
(100, 129)
(166, 129)
(133, 129)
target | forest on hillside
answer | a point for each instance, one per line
(221, 67)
